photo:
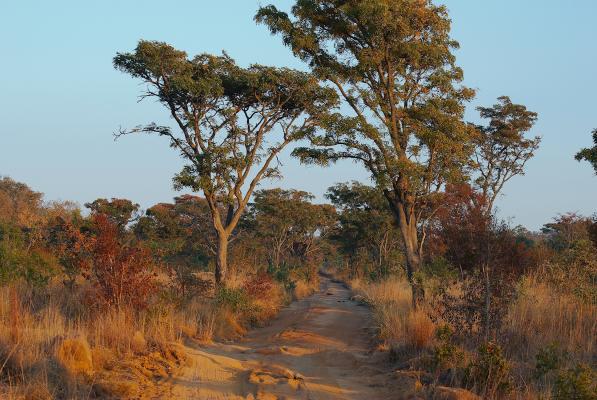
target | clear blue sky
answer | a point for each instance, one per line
(61, 100)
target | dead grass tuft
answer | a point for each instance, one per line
(303, 289)
(399, 325)
(74, 355)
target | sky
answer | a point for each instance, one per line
(61, 100)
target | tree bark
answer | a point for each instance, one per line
(487, 301)
(407, 223)
(222, 258)
(413, 264)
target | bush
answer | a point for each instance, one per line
(446, 355)
(121, 274)
(547, 359)
(236, 299)
(489, 373)
(576, 384)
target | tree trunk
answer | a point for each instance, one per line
(222, 258)
(413, 266)
(487, 301)
(407, 222)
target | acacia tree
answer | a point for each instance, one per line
(590, 153)
(391, 63)
(231, 123)
(501, 149)
(501, 153)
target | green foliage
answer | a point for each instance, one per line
(446, 355)
(547, 359)
(402, 99)
(441, 269)
(589, 154)
(120, 211)
(18, 261)
(366, 233)
(577, 383)
(290, 226)
(234, 298)
(489, 373)
(232, 123)
(502, 150)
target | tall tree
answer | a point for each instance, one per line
(231, 123)
(590, 153)
(501, 153)
(502, 150)
(391, 63)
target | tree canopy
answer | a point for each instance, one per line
(392, 65)
(232, 122)
(502, 150)
(590, 153)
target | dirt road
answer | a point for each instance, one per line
(317, 348)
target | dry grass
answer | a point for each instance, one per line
(51, 343)
(542, 316)
(304, 289)
(399, 325)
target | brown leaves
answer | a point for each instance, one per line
(121, 274)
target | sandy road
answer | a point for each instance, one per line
(317, 348)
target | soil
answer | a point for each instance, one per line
(317, 348)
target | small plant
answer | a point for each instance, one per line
(576, 384)
(489, 373)
(446, 355)
(236, 299)
(547, 359)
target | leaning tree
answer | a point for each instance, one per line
(391, 63)
(231, 123)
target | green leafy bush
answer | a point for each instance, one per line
(489, 373)
(235, 299)
(547, 359)
(576, 384)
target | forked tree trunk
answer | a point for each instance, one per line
(407, 223)
(222, 258)
(413, 264)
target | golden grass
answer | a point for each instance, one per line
(542, 316)
(304, 289)
(74, 355)
(539, 316)
(399, 325)
(53, 345)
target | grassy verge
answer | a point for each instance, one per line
(543, 349)
(53, 345)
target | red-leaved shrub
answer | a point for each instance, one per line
(121, 273)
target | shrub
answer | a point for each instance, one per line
(121, 274)
(576, 384)
(547, 359)
(489, 373)
(446, 355)
(234, 298)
